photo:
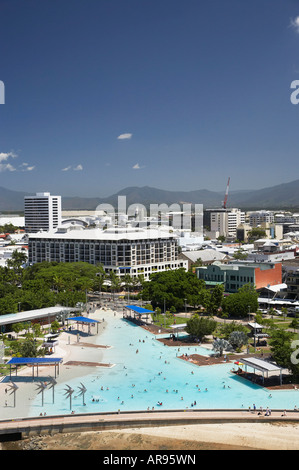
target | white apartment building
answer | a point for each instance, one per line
(225, 221)
(128, 250)
(287, 218)
(42, 212)
(260, 217)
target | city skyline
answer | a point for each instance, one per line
(102, 95)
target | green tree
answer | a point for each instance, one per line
(280, 345)
(17, 260)
(242, 302)
(227, 329)
(55, 326)
(294, 324)
(240, 254)
(213, 298)
(17, 328)
(28, 348)
(115, 282)
(199, 327)
(284, 312)
(173, 287)
(37, 329)
(256, 233)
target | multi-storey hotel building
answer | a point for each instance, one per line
(122, 250)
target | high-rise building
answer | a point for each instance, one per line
(223, 222)
(42, 212)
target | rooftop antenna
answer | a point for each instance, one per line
(226, 195)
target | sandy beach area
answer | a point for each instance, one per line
(71, 351)
(193, 437)
(280, 435)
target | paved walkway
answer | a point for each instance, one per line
(85, 422)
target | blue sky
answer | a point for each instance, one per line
(105, 94)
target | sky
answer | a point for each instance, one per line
(178, 95)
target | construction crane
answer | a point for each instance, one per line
(226, 195)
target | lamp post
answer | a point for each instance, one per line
(254, 339)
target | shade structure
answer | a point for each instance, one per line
(34, 315)
(139, 310)
(262, 366)
(84, 320)
(34, 361)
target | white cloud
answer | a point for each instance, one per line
(75, 168)
(295, 23)
(124, 136)
(5, 155)
(6, 167)
(26, 167)
(137, 167)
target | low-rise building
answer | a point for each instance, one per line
(207, 256)
(236, 275)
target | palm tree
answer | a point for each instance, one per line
(220, 345)
(271, 312)
(101, 275)
(284, 312)
(115, 282)
(58, 283)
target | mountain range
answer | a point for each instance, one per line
(282, 196)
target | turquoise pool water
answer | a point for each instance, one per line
(139, 380)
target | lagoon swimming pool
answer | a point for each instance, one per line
(139, 380)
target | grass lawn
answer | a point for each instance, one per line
(168, 320)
